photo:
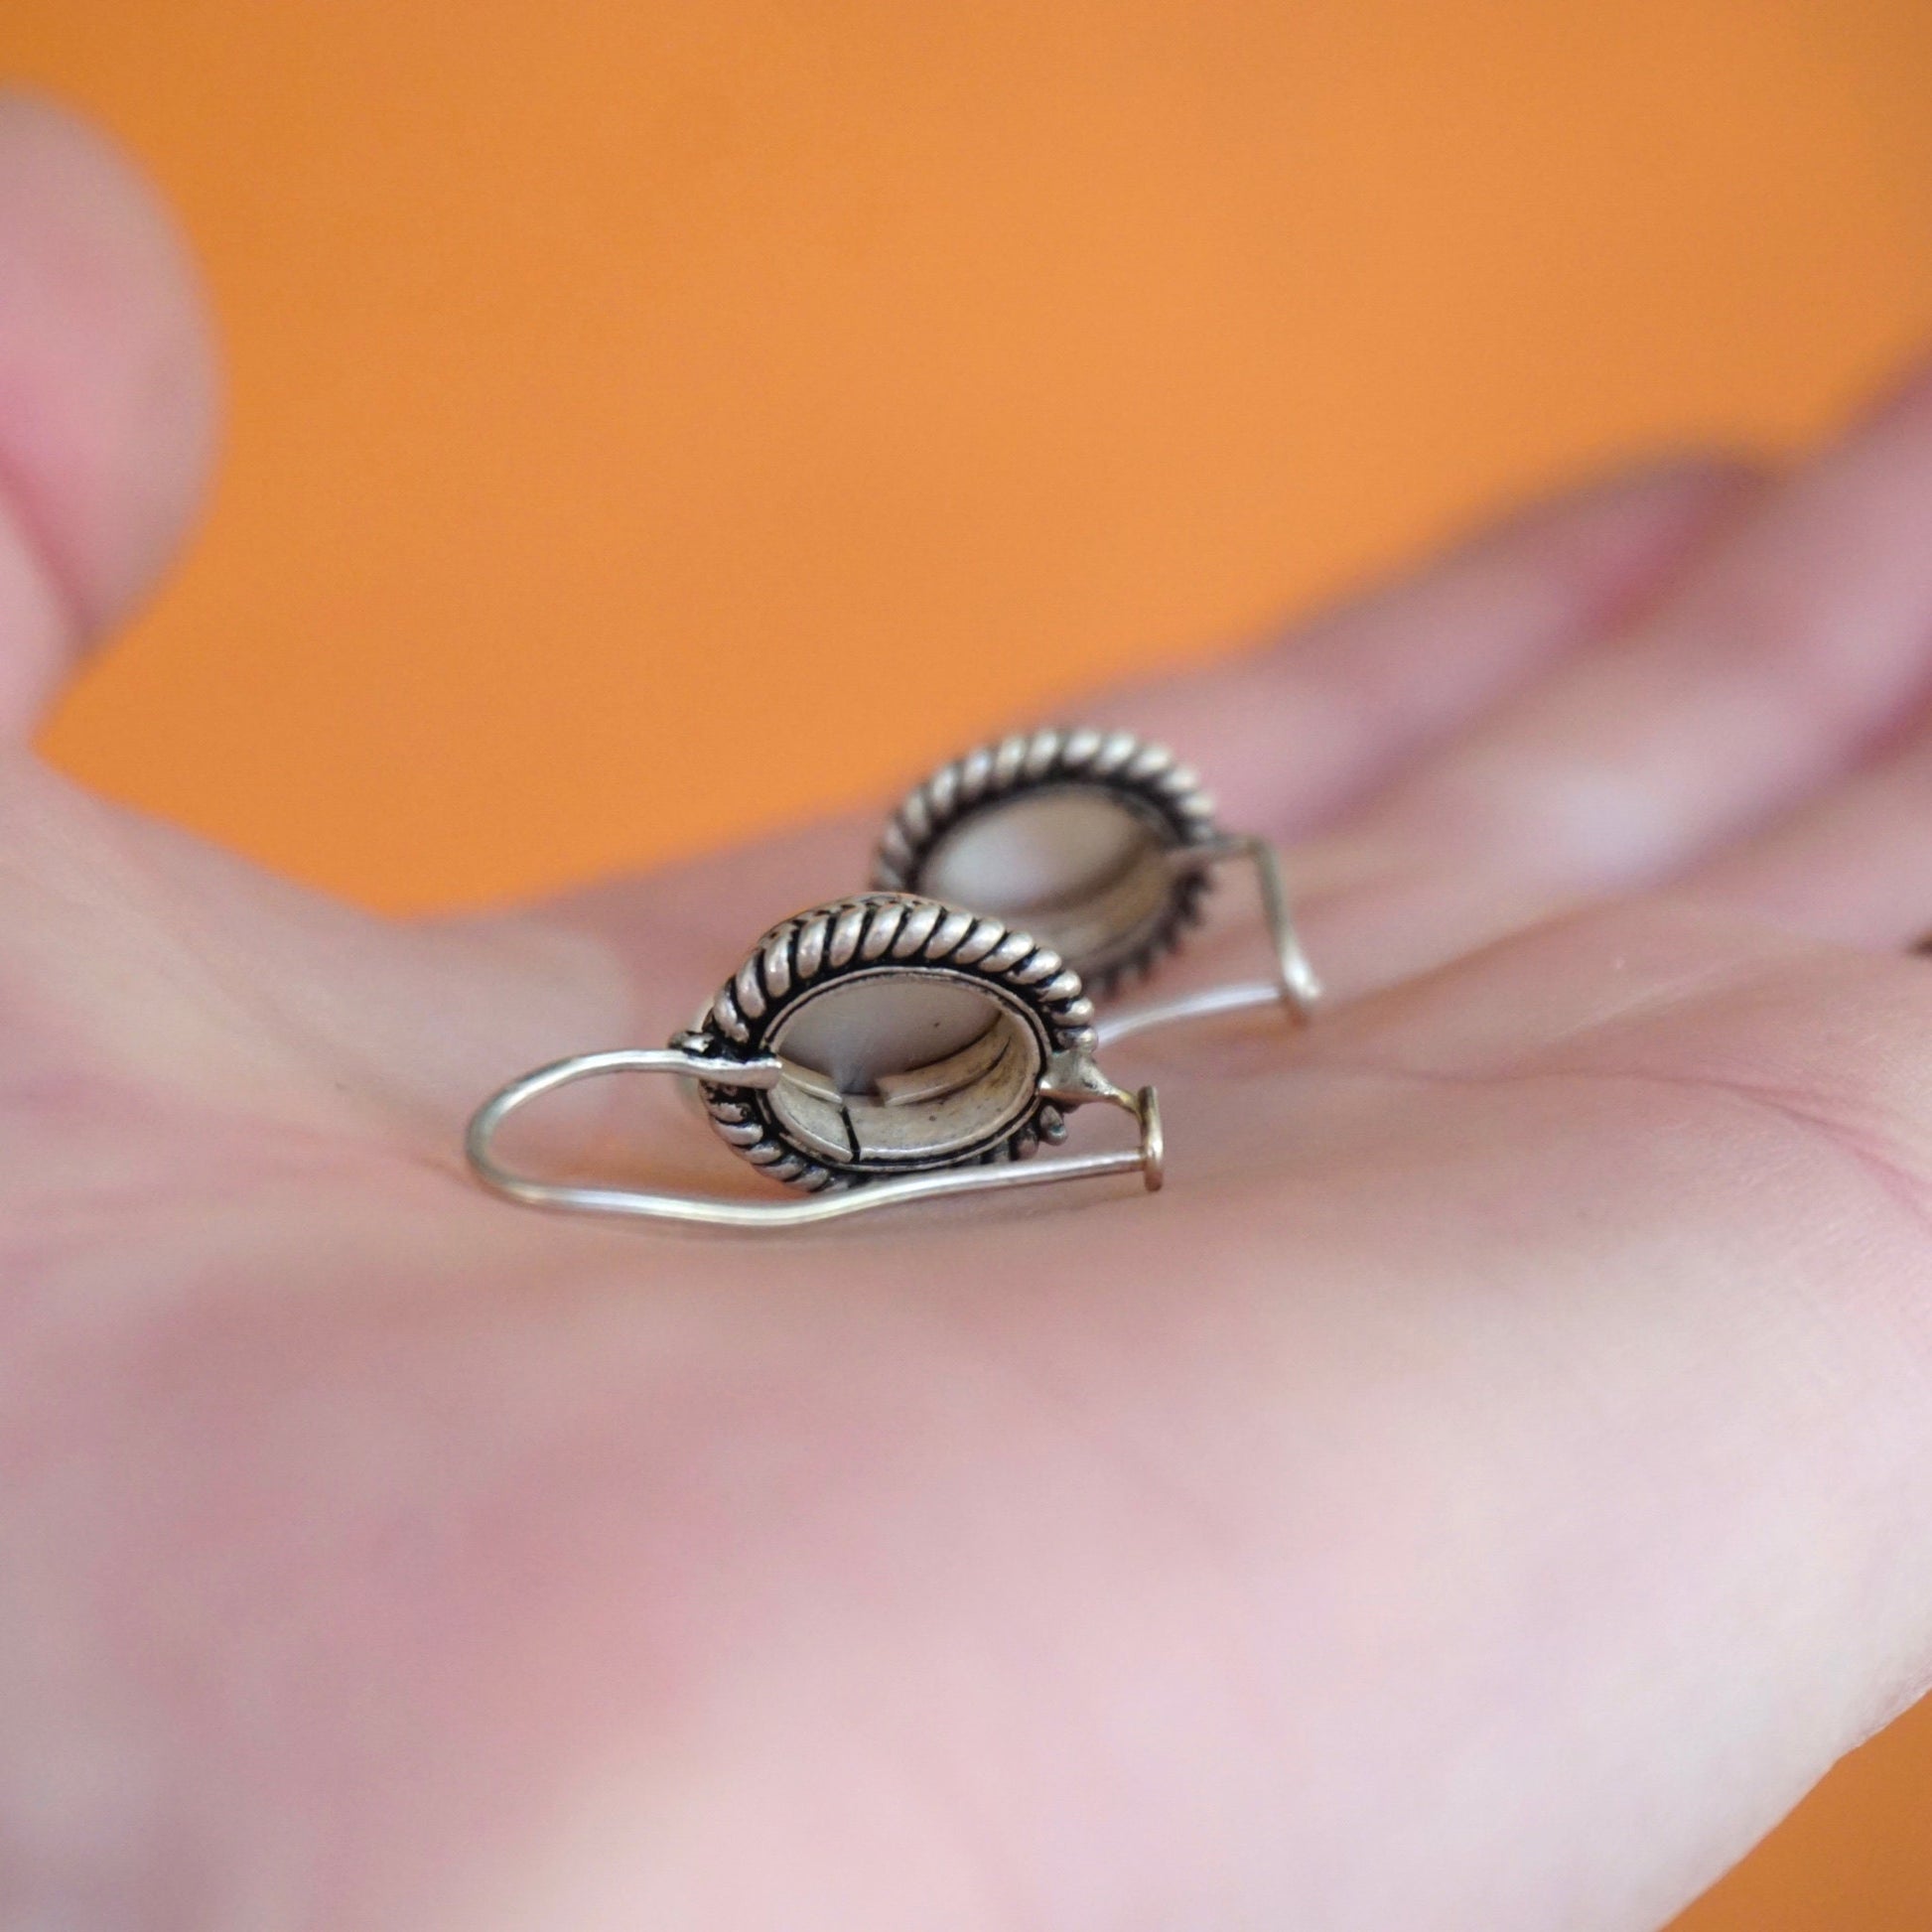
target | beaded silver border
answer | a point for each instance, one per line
(888, 928)
(1147, 774)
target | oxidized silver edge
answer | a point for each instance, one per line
(1148, 773)
(860, 935)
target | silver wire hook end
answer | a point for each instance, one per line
(1148, 1158)
(1295, 988)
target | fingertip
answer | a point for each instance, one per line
(107, 379)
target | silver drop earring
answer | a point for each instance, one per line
(879, 1051)
(1104, 846)
(930, 1037)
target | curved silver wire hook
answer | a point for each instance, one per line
(1296, 985)
(704, 1210)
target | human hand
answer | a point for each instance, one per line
(1483, 1491)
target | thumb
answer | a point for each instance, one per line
(106, 397)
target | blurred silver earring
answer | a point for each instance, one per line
(1103, 846)
(878, 1051)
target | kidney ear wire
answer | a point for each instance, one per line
(1295, 989)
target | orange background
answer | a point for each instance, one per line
(619, 381)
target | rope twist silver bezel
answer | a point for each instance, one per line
(812, 949)
(1139, 772)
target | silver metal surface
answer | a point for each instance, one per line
(1019, 829)
(1295, 988)
(815, 1130)
(897, 1048)
(963, 1051)
(1210, 1002)
(981, 832)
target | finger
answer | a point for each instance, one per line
(106, 412)
(660, 945)
(106, 392)
(1855, 865)
(1283, 733)
(1775, 662)
(1289, 733)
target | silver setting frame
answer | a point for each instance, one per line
(876, 936)
(1167, 798)
(1143, 779)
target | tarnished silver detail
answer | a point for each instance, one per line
(1138, 911)
(979, 1099)
(879, 1051)
(1105, 846)
(908, 1045)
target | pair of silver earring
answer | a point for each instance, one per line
(929, 1036)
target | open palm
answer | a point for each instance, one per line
(1483, 1491)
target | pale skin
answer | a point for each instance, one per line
(1483, 1491)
